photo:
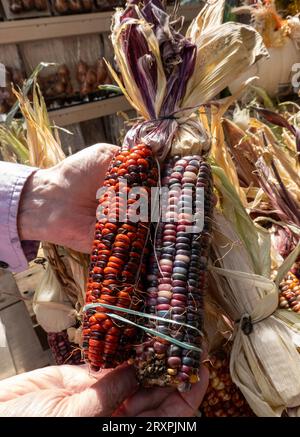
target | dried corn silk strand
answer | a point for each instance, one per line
(176, 281)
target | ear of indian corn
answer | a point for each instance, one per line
(223, 398)
(117, 259)
(177, 276)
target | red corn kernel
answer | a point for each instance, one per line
(95, 343)
(129, 332)
(110, 271)
(143, 162)
(100, 316)
(123, 237)
(96, 327)
(111, 339)
(113, 265)
(111, 226)
(114, 331)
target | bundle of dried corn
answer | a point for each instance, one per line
(60, 295)
(241, 270)
(165, 76)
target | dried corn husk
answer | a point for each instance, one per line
(255, 146)
(210, 65)
(243, 152)
(53, 310)
(12, 144)
(60, 295)
(265, 365)
(44, 149)
(217, 325)
(219, 150)
(58, 306)
(280, 63)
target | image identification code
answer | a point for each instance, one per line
(163, 426)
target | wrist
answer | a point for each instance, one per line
(34, 201)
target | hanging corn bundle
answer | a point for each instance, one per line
(165, 77)
(241, 272)
(243, 255)
(244, 147)
(60, 295)
(277, 172)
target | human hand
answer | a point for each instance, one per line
(66, 391)
(70, 391)
(165, 402)
(59, 204)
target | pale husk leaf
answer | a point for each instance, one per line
(218, 63)
(256, 240)
(210, 16)
(53, 310)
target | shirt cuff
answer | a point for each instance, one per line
(14, 254)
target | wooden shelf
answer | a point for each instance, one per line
(13, 32)
(56, 27)
(88, 111)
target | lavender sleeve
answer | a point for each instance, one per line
(14, 254)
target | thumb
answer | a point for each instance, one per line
(109, 392)
(96, 161)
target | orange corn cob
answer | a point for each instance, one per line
(117, 260)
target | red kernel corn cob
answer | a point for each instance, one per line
(177, 283)
(117, 264)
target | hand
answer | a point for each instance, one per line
(165, 402)
(59, 204)
(70, 391)
(66, 391)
